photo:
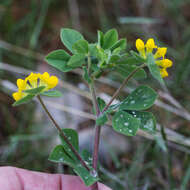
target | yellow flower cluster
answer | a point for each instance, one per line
(159, 56)
(34, 80)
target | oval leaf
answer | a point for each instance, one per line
(77, 60)
(125, 123)
(153, 68)
(126, 59)
(24, 100)
(122, 43)
(52, 93)
(147, 119)
(88, 177)
(137, 57)
(59, 59)
(72, 136)
(35, 90)
(81, 46)
(140, 99)
(59, 155)
(110, 38)
(69, 37)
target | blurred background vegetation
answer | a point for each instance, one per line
(29, 30)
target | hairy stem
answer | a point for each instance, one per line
(62, 134)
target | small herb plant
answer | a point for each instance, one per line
(108, 54)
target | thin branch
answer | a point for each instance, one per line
(122, 86)
(62, 134)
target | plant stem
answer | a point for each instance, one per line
(122, 86)
(62, 134)
(94, 99)
(97, 133)
(97, 128)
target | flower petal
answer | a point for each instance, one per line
(163, 73)
(150, 45)
(161, 52)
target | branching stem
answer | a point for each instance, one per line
(95, 104)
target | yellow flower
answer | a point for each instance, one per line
(18, 95)
(49, 82)
(150, 45)
(159, 56)
(161, 52)
(140, 47)
(34, 80)
(21, 84)
(163, 73)
(165, 63)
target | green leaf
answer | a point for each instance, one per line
(24, 100)
(102, 119)
(93, 53)
(101, 103)
(153, 68)
(100, 38)
(140, 99)
(35, 91)
(52, 93)
(147, 119)
(113, 108)
(88, 178)
(86, 76)
(126, 59)
(125, 71)
(77, 60)
(59, 59)
(110, 38)
(87, 156)
(81, 46)
(59, 155)
(137, 57)
(72, 136)
(125, 123)
(114, 58)
(122, 43)
(69, 37)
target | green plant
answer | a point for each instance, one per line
(106, 55)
